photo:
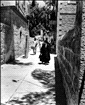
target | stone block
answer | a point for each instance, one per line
(69, 55)
(76, 83)
(66, 65)
(62, 68)
(69, 8)
(60, 49)
(68, 80)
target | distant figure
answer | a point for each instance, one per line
(35, 46)
(40, 43)
(45, 52)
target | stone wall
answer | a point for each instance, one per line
(68, 50)
(31, 42)
(66, 18)
(82, 56)
(13, 35)
(20, 30)
(69, 61)
(2, 45)
(6, 35)
(71, 57)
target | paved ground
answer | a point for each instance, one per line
(16, 79)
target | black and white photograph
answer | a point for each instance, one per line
(42, 54)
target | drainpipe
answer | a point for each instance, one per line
(56, 2)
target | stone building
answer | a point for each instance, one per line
(22, 5)
(71, 49)
(82, 57)
(14, 30)
(66, 17)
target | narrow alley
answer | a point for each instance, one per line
(29, 82)
(42, 52)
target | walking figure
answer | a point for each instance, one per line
(35, 46)
(45, 52)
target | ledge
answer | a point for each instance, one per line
(67, 13)
(14, 8)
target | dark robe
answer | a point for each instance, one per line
(45, 52)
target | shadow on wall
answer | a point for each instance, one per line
(59, 88)
(7, 37)
(9, 44)
(12, 45)
(69, 64)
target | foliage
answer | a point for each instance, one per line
(40, 17)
